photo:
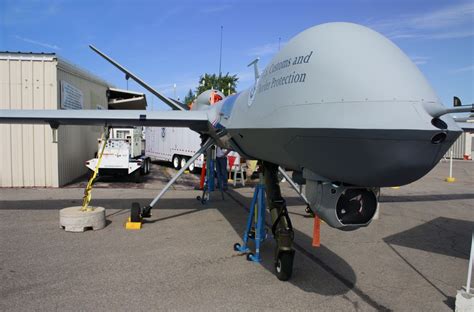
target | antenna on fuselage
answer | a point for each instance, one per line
(220, 53)
(255, 67)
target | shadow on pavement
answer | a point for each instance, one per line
(327, 273)
(107, 203)
(446, 236)
(324, 259)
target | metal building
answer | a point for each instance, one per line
(28, 156)
(462, 148)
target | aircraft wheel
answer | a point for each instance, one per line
(237, 247)
(135, 213)
(248, 256)
(176, 162)
(284, 265)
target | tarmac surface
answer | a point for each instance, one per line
(413, 258)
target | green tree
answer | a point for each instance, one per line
(189, 97)
(226, 84)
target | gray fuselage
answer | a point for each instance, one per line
(345, 103)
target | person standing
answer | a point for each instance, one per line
(221, 166)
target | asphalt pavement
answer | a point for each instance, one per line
(413, 258)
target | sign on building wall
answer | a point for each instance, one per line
(71, 97)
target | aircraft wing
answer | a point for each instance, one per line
(466, 123)
(466, 126)
(196, 120)
(174, 104)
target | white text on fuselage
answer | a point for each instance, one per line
(267, 83)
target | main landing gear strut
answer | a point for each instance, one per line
(282, 228)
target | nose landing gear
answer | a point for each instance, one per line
(284, 264)
(282, 228)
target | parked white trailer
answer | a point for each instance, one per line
(123, 154)
(175, 145)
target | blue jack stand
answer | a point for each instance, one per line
(257, 233)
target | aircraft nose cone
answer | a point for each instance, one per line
(375, 157)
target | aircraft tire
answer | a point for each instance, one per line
(284, 265)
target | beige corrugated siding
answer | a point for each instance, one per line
(79, 143)
(28, 157)
(461, 147)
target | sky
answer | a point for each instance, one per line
(174, 42)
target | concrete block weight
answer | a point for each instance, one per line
(72, 219)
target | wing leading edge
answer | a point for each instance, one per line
(176, 105)
(196, 120)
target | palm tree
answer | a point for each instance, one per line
(226, 84)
